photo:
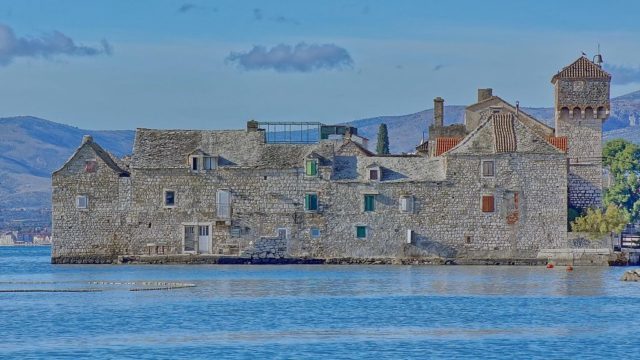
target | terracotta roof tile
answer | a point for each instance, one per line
(444, 144)
(504, 132)
(559, 141)
(582, 68)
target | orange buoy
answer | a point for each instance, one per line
(569, 268)
(549, 266)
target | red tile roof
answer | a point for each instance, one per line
(504, 132)
(559, 141)
(582, 68)
(444, 144)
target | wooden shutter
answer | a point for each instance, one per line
(488, 204)
(369, 202)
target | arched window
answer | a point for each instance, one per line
(601, 112)
(588, 112)
(576, 112)
(564, 113)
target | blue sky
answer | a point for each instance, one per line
(215, 64)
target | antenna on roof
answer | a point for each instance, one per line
(517, 107)
(597, 59)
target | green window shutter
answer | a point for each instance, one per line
(361, 232)
(369, 202)
(311, 202)
(311, 168)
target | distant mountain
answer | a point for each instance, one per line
(32, 148)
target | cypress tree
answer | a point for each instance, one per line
(383, 140)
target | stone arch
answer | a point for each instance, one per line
(588, 112)
(565, 113)
(601, 112)
(577, 112)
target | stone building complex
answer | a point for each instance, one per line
(496, 187)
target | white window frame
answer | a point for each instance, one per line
(198, 160)
(482, 168)
(164, 198)
(212, 165)
(286, 232)
(410, 204)
(376, 169)
(86, 202)
(220, 214)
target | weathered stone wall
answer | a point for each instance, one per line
(99, 229)
(577, 118)
(446, 220)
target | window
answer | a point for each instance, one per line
(374, 174)
(209, 163)
(315, 232)
(90, 166)
(488, 168)
(361, 232)
(82, 201)
(406, 203)
(488, 203)
(369, 203)
(223, 204)
(311, 167)
(194, 164)
(311, 202)
(283, 233)
(169, 198)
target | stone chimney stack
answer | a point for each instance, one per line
(252, 126)
(438, 112)
(484, 94)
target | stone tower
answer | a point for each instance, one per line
(581, 107)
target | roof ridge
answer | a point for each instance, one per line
(581, 68)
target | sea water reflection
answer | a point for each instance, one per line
(313, 311)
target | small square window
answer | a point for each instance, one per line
(169, 198)
(361, 232)
(311, 202)
(315, 232)
(311, 167)
(374, 174)
(82, 201)
(90, 166)
(488, 203)
(369, 202)
(209, 163)
(488, 168)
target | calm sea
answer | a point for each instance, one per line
(295, 312)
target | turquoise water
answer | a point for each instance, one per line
(293, 312)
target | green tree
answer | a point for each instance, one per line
(383, 140)
(598, 222)
(623, 160)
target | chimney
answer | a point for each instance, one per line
(87, 139)
(252, 126)
(484, 94)
(438, 112)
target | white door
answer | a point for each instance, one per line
(203, 239)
